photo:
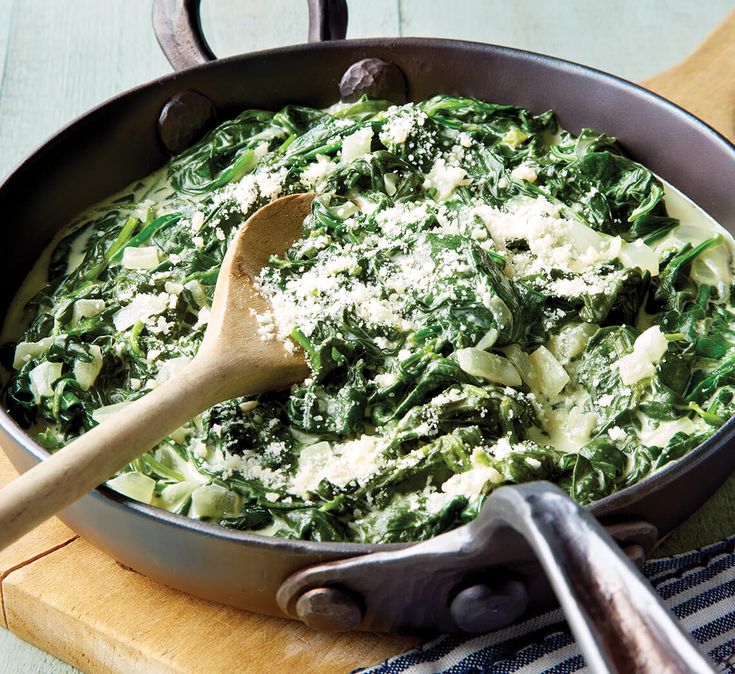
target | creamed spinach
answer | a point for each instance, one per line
(483, 298)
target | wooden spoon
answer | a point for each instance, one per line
(232, 361)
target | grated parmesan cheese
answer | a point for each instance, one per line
(141, 308)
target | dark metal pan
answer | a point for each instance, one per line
(474, 578)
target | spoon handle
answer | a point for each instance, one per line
(93, 458)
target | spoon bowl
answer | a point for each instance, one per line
(232, 350)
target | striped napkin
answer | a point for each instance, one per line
(698, 586)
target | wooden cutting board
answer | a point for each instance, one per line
(63, 595)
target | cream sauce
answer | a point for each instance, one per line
(16, 320)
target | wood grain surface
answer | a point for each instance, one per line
(56, 590)
(47, 538)
(704, 83)
(162, 630)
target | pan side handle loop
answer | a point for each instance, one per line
(178, 28)
(327, 20)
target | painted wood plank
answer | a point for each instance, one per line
(60, 62)
(101, 48)
(6, 26)
(630, 38)
(234, 26)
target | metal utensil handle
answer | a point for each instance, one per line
(620, 623)
(178, 28)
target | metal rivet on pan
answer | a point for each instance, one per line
(636, 554)
(376, 78)
(480, 608)
(328, 609)
(183, 119)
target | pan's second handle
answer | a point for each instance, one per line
(472, 579)
(178, 28)
(619, 622)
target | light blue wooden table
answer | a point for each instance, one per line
(60, 57)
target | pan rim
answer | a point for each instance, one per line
(654, 482)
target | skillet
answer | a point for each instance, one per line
(473, 579)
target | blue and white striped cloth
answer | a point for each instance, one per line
(698, 586)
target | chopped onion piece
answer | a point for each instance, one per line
(86, 309)
(637, 255)
(551, 374)
(134, 485)
(571, 341)
(571, 429)
(514, 137)
(180, 435)
(319, 452)
(211, 500)
(488, 341)
(585, 239)
(652, 344)
(197, 292)
(86, 372)
(357, 145)
(145, 257)
(105, 412)
(501, 313)
(43, 377)
(174, 496)
(489, 366)
(634, 368)
(248, 406)
(391, 183)
(522, 362)
(662, 434)
(26, 351)
(712, 268)
(170, 458)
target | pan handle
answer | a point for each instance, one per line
(178, 28)
(619, 622)
(454, 582)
